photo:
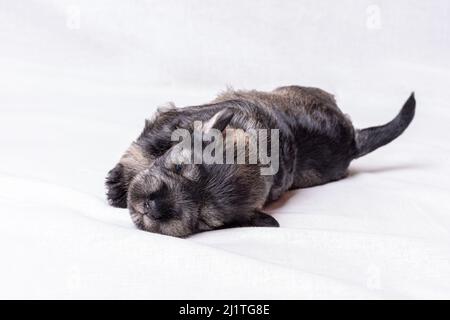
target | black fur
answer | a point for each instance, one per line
(117, 187)
(370, 139)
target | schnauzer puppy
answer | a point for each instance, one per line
(315, 144)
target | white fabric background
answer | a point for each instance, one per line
(78, 78)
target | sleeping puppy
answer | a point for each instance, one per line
(168, 191)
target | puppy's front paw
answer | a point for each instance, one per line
(261, 219)
(256, 219)
(117, 187)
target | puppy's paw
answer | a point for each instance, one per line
(256, 219)
(117, 187)
(261, 219)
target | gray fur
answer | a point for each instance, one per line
(317, 144)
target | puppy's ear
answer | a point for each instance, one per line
(219, 121)
(117, 187)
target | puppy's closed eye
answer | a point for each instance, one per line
(186, 171)
(177, 168)
(160, 193)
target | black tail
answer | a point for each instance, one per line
(367, 140)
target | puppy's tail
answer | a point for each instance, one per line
(367, 140)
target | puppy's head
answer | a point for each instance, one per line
(179, 198)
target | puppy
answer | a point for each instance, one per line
(316, 143)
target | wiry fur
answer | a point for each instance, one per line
(317, 144)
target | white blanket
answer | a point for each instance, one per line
(78, 78)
